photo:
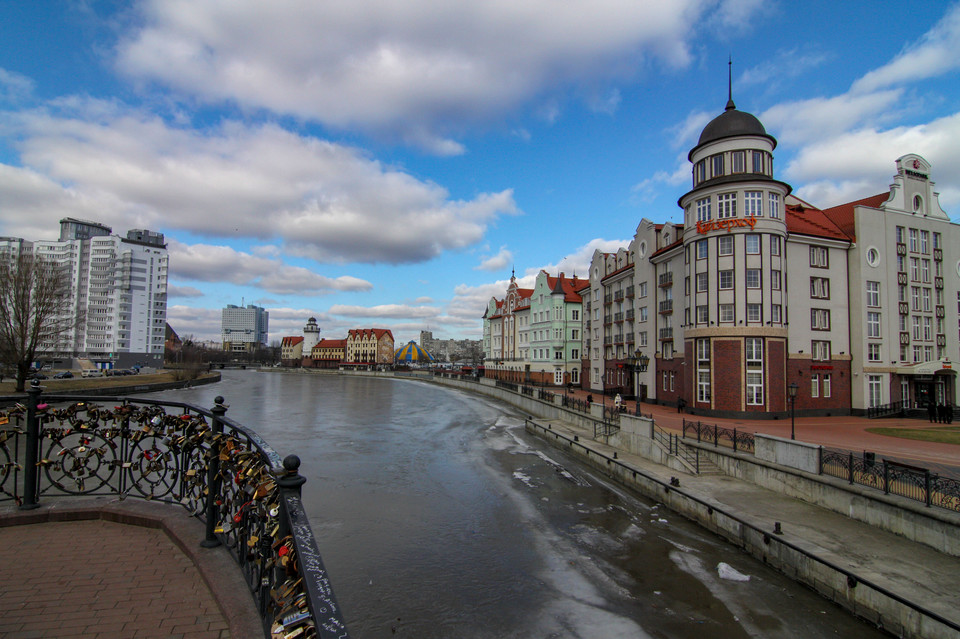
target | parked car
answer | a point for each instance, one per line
(91, 372)
(63, 375)
(37, 376)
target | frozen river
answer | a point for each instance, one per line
(438, 517)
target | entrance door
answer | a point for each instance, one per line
(924, 393)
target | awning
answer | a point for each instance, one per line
(928, 369)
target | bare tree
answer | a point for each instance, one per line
(35, 310)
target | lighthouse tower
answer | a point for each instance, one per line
(311, 336)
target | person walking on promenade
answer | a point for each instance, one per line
(681, 404)
(931, 411)
(617, 401)
(941, 413)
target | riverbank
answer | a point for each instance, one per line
(125, 385)
(903, 587)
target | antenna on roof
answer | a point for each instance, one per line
(730, 104)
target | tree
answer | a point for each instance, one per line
(36, 309)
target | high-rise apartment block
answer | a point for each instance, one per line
(244, 330)
(119, 287)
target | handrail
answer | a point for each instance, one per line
(852, 579)
(225, 474)
(737, 440)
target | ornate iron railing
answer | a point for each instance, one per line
(222, 473)
(674, 446)
(887, 410)
(729, 437)
(912, 482)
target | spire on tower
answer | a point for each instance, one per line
(730, 104)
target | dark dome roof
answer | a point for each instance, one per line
(731, 123)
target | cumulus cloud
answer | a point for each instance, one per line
(324, 201)
(496, 262)
(401, 311)
(14, 87)
(214, 263)
(806, 120)
(937, 52)
(183, 291)
(416, 69)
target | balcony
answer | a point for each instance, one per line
(618, 318)
(630, 291)
(666, 307)
(629, 315)
(618, 296)
(665, 279)
(666, 334)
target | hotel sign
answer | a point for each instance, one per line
(727, 225)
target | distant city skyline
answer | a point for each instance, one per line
(387, 166)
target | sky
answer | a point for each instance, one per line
(390, 164)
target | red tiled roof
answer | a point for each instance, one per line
(360, 333)
(291, 341)
(331, 343)
(842, 215)
(570, 286)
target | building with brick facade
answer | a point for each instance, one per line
(369, 346)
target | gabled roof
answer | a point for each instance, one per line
(331, 343)
(362, 333)
(842, 215)
(291, 341)
(803, 219)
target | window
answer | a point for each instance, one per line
(753, 313)
(914, 244)
(925, 294)
(703, 370)
(752, 203)
(874, 391)
(936, 241)
(820, 319)
(716, 165)
(925, 271)
(643, 313)
(726, 280)
(925, 242)
(916, 327)
(820, 350)
(726, 205)
(754, 352)
(774, 245)
(775, 313)
(725, 245)
(775, 280)
(753, 278)
(643, 338)
(775, 205)
(703, 280)
(739, 161)
(758, 162)
(703, 210)
(873, 294)
(699, 172)
(873, 352)
(643, 288)
(703, 315)
(701, 249)
(873, 324)
(819, 288)
(825, 389)
(753, 244)
(575, 315)
(726, 313)
(901, 235)
(915, 297)
(818, 257)
(928, 328)
(815, 385)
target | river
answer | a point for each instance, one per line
(439, 517)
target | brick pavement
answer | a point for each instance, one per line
(99, 568)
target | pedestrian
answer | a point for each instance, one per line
(589, 399)
(931, 411)
(681, 404)
(617, 401)
(941, 413)
(949, 413)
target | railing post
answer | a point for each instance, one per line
(31, 471)
(926, 484)
(850, 467)
(734, 439)
(716, 435)
(886, 478)
(213, 474)
(291, 480)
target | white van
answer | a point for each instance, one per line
(92, 372)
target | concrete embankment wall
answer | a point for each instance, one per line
(865, 599)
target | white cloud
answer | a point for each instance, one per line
(808, 120)
(213, 263)
(496, 262)
(394, 311)
(183, 291)
(858, 164)
(324, 201)
(14, 87)
(404, 68)
(937, 52)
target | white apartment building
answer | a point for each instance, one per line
(119, 288)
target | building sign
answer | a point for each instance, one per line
(821, 367)
(728, 224)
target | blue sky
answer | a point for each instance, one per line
(382, 163)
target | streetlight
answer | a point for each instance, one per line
(792, 389)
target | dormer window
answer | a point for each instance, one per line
(699, 172)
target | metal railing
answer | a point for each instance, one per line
(221, 472)
(729, 437)
(674, 446)
(886, 410)
(912, 482)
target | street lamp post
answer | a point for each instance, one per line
(792, 389)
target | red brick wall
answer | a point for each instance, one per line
(728, 374)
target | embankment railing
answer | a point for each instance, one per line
(223, 473)
(729, 437)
